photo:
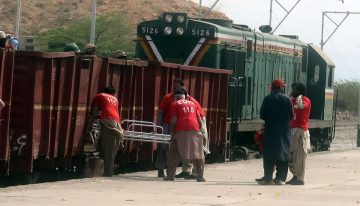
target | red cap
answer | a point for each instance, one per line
(278, 83)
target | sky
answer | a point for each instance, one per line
(305, 21)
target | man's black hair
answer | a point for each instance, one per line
(181, 90)
(109, 90)
(300, 87)
(178, 80)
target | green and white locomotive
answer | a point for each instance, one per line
(255, 58)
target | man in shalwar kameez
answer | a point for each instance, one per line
(187, 140)
(111, 133)
(276, 110)
(299, 133)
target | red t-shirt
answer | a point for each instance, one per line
(259, 139)
(201, 111)
(301, 115)
(108, 106)
(166, 102)
(165, 106)
(186, 112)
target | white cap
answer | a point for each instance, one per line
(2, 35)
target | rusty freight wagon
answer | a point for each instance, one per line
(50, 95)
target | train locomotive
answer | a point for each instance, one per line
(255, 58)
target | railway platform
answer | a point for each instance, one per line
(332, 178)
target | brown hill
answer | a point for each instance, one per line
(39, 15)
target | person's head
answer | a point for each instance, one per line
(2, 35)
(72, 47)
(89, 49)
(180, 93)
(119, 54)
(2, 39)
(177, 83)
(298, 88)
(109, 90)
(277, 84)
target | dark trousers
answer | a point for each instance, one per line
(161, 156)
(281, 169)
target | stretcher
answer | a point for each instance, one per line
(132, 133)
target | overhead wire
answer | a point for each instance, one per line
(341, 57)
(343, 60)
(113, 39)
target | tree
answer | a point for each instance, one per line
(112, 33)
(348, 94)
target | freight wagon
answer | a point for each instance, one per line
(48, 95)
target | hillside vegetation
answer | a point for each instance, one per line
(348, 95)
(69, 20)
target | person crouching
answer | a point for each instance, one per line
(187, 141)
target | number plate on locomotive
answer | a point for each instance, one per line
(149, 30)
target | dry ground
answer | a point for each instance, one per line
(332, 178)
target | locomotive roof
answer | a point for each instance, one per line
(251, 33)
(227, 32)
(322, 54)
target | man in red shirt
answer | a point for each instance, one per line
(187, 140)
(299, 133)
(111, 133)
(163, 119)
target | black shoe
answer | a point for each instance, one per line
(265, 182)
(182, 175)
(167, 178)
(291, 181)
(260, 179)
(200, 179)
(161, 173)
(298, 182)
(279, 182)
(190, 177)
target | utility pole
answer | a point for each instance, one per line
(324, 14)
(200, 7)
(211, 8)
(271, 10)
(93, 22)
(287, 12)
(322, 44)
(18, 14)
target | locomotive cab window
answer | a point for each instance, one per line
(330, 76)
(316, 73)
(249, 48)
(304, 60)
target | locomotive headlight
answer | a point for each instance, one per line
(168, 18)
(168, 30)
(180, 18)
(180, 31)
